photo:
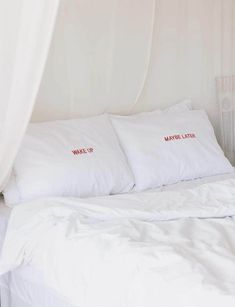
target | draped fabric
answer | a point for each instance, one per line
(99, 58)
(26, 28)
(126, 56)
(225, 83)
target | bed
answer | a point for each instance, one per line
(28, 286)
(109, 211)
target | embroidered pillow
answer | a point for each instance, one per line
(79, 158)
(169, 147)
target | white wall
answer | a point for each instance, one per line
(100, 56)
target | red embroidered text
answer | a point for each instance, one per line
(179, 137)
(82, 151)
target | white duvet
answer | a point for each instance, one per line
(142, 250)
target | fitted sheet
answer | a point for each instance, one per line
(25, 286)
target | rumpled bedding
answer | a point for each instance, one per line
(161, 249)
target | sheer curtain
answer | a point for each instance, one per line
(26, 28)
(99, 58)
(127, 56)
(225, 82)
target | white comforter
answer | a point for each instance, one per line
(142, 250)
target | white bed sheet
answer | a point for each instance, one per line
(24, 287)
(4, 215)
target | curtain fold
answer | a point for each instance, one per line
(225, 82)
(26, 29)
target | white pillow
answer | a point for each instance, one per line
(78, 158)
(184, 105)
(170, 147)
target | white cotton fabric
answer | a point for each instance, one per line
(131, 250)
(168, 147)
(26, 287)
(99, 58)
(44, 134)
(26, 29)
(184, 105)
(76, 158)
(4, 216)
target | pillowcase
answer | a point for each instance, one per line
(184, 105)
(170, 147)
(77, 158)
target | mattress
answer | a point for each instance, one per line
(24, 287)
